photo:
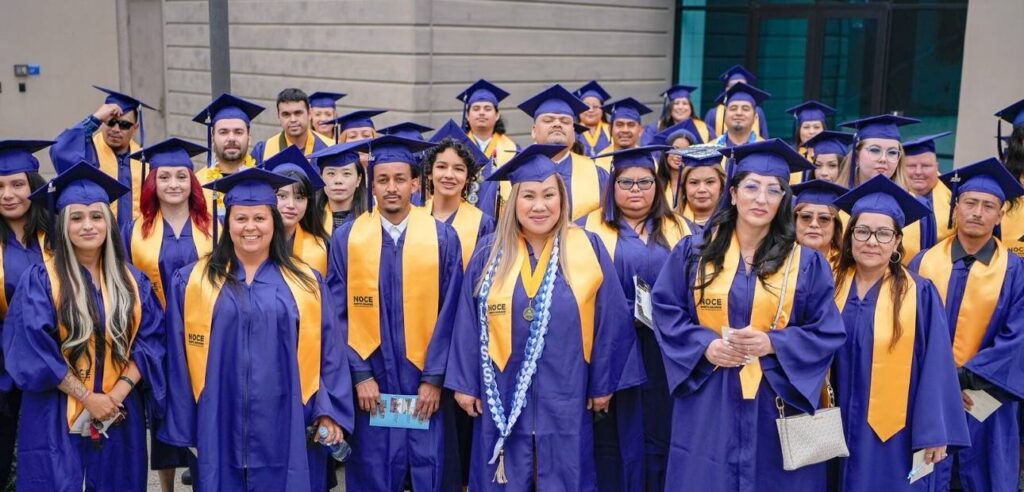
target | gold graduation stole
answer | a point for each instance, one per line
(213, 173)
(200, 299)
(593, 137)
(702, 130)
(605, 162)
(310, 249)
(584, 279)
(328, 219)
(501, 148)
(109, 165)
(146, 251)
(609, 235)
(720, 121)
(890, 369)
(420, 284)
(466, 224)
(981, 293)
(1012, 229)
(3, 288)
(941, 197)
(713, 308)
(279, 142)
(85, 370)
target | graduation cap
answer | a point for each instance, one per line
(817, 192)
(324, 99)
(881, 195)
(338, 155)
(173, 152)
(225, 107)
(360, 118)
(249, 187)
(684, 129)
(532, 164)
(592, 89)
(642, 157)
(830, 142)
(987, 176)
(700, 155)
(482, 90)
(881, 126)
(81, 184)
(737, 72)
(626, 109)
(742, 91)
(16, 155)
(768, 158)
(292, 159)
(1013, 114)
(555, 99)
(923, 144)
(127, 104)
(406, 129)
(678, 91)
(452, 130)
(811, 111)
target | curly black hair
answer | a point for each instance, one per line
(472, 167)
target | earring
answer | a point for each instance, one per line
(899, 258)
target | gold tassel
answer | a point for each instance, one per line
(499, 474)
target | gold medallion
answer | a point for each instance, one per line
(528, 313)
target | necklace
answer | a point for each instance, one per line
(532, 276)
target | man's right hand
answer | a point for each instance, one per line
(470, 404)
(368, 394)
(107, 112)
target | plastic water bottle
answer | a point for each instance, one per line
(341, 451)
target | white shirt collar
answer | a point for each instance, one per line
(394, 230)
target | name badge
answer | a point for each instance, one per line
(642, 305)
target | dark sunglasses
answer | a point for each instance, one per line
(122, 124)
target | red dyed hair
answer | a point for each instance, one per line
(149, 204)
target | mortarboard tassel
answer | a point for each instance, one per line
(955, 181)
(209, 143)
(999, 140)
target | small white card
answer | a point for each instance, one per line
(984, 404)
(642, 305)
(918, 469)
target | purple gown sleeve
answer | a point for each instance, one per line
(32, 355)
(614, 334)
(451, 281)
(75, 144)
(337, 283)
(148, 349)
(463, 374)
(1001, 360)
(334, 398)
(179, 424)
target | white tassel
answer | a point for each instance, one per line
(499, 474)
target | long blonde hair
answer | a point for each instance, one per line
(509, 231)
(76, 308)
(897, 175)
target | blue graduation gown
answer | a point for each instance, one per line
(49, 457)
(17, 259)
(638, 458)
(487, 225)
(721, 442)
(259, 148)
(75, 144)
(487, 195)
(383, 457)
(935, 415)
(565, 171)
(249, 426)
(602, 145)
(555, 431)
(992, 461)
(713, 112)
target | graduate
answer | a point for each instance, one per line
(554, 113)
(626, 127)
(921, 174)
(676, 109)
(1011, 229)
(876, 149)
(598, 135)
(172, 231)
(725, 389)
(83, 340)
(344, 196)
(406, 129)
(303, 220)
(255, 358)
(105, 139)
(482, 122)
(357, 126)
(740, 115)
(638, 229)
(542, 338)
(895, 379)
(982, 287)
(293, 116)
(701, 185)
(23, 226)
(809, 119)
(394, 275)
(670, 164)
(827, 150)
(228, 122)
(452, 171)
(736, 74)
(818, 225)
(322, 111)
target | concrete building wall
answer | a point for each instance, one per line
(413, 57)
(992, 75)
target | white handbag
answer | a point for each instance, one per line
(809, 439)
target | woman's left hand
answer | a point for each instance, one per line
(599, 404)
(334, 433)
(752, 342)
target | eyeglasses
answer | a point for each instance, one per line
(626, 184)
(122, 124)
(751, 191)
(807, 218)
(883, 235)
(891, 154)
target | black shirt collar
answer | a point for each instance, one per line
(984, 255)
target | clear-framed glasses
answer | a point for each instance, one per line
(883, 235)
(626, 184)
(751, 191)
(890, 154)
